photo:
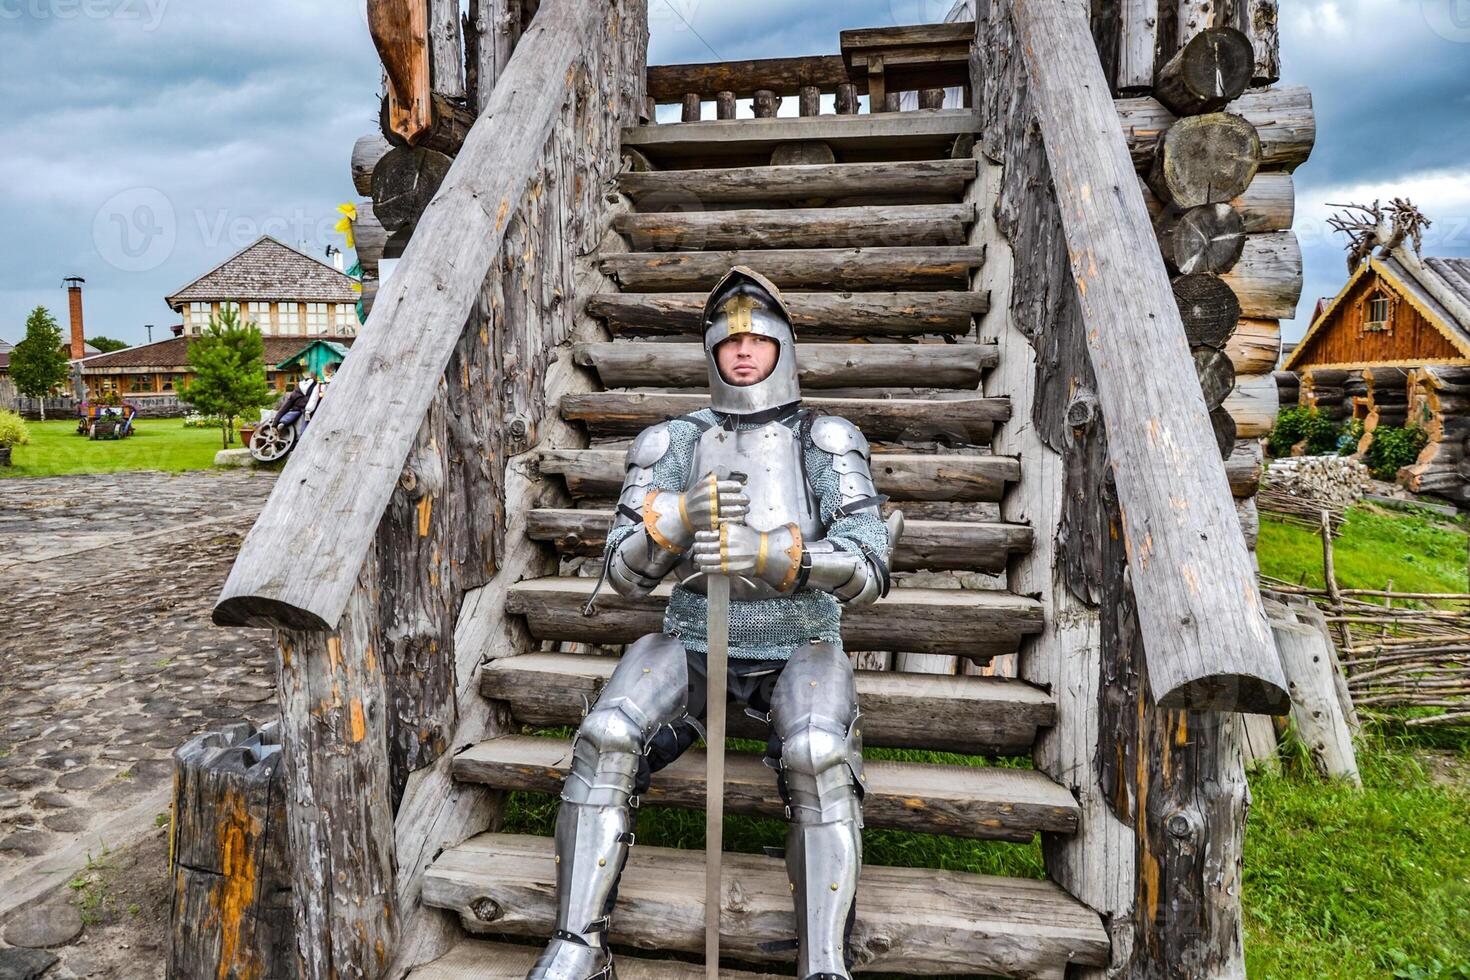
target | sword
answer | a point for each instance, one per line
(717, 631)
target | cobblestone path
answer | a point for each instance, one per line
(108, 660)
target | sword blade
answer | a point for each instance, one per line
(717, 661)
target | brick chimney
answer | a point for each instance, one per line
(78, 337)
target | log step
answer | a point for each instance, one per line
(964, 421)
(935, 712)
(1010, 927)
(932, 545)
(748, 185)
(475, 960)
(691, 231)
(987, 803)
(956, 622)
(919, 267)
(845, 315)
(853, 138)
(631, 364)
(594, 473)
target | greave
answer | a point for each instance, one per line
(822, 861)
(591, 848)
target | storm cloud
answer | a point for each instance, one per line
(146, 140)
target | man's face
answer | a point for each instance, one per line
(747, 359)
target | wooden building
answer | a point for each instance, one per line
(1393, 349)
(1397, 310)
(285, 292)
(291, 296)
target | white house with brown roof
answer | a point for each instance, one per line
(292, 297)
(285, 292)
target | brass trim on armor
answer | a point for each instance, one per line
(714, 502)
(724, 549)
(738, 309)
(760, 558)
(650, 524)
(684, 515)
(793, 553)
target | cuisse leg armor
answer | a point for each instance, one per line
(815, 716)
(594, 825)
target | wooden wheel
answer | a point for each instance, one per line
(271, 442)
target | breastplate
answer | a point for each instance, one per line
(770, 458)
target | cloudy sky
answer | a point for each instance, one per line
(145, 141)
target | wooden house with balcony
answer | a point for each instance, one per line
(1049, 293)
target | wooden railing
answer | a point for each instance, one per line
(393, 511)
(1155, 624)
(880, 63)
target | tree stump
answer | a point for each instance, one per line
(232, 914)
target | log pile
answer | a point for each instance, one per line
(1297, 489)
(1438, 398)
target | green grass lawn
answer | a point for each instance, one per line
(1342, 884)
(55, 449)
(1418, 551)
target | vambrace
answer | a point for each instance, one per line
(637, 565)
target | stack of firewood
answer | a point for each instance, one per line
(1299, 488)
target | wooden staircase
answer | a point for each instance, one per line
(876, 254)
(979, 287)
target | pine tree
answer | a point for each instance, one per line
(38, 363)
(228, 365)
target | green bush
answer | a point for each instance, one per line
(13, 430)
(1352, 434)
(1297, 424)
(1394, 448)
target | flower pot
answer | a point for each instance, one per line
(246, 431)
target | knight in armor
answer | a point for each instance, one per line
(781, 499)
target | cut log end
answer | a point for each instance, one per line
(1228, 692)
(1208, 73)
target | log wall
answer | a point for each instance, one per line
(1439, 400)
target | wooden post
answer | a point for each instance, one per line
(446, 54)
(765, 103)
(811, 100)
(1162, 791)
(1315, 711)
(847, 99)
(231, 911)
(693, 105)
(400, 30)
(725, 105)
(334, 726)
